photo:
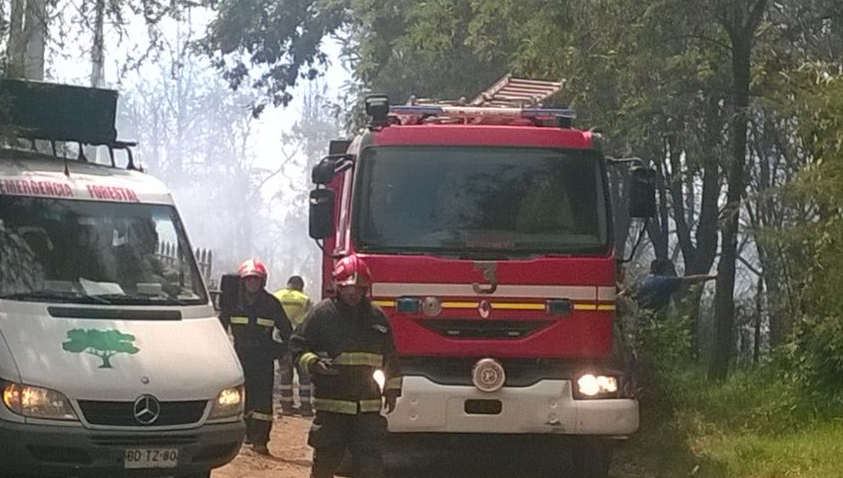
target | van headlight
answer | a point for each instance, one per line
(229, 403)
(37, 402)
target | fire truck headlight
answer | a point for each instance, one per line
(380, 378)
(597, 386)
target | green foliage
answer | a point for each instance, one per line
(815, 351)
(816, 356)
(102, 343)
(273, 43)
(662, 343)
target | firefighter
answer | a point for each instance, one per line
(256, 319)
(342, 342)
(296, 303)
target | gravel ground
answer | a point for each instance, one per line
(291, 459)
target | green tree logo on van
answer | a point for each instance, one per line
(102, 343)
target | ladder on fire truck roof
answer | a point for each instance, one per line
(509, 92)
(508, 98)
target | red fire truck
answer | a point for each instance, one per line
(487, 228)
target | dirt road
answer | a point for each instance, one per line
(291, 459)
(290, 454)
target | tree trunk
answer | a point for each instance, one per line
(759, 302)
(35, 32)
(724, 300)
(16, 48)
(98, 47)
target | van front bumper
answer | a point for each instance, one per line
(546, 407)
(70, 451)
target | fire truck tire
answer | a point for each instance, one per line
(591, 458)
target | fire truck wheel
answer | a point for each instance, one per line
(591, 457)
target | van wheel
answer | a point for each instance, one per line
(591, 457)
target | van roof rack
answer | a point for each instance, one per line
(52, 112)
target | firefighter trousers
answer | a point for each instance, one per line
(284, 384)
(361, 434)
(258, 369)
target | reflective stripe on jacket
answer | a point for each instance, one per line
(252, 324)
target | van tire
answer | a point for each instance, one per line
(201, 474)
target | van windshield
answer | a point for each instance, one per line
(56, 250)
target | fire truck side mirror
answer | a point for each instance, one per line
(642, 192)
(321, 213)
(323, 172)
(229, 292)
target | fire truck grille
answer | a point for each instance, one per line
(484, 329)
(121, 414)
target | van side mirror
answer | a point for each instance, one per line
(321, 213)
(642, 191)
(229, 292)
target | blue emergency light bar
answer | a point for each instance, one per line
(482, 112)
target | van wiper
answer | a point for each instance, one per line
(55, 295)
(138, 299)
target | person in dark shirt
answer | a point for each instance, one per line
(659, 286)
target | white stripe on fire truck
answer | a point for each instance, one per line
(572, 292)
(606, 293)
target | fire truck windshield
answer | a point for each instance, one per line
(458, 200)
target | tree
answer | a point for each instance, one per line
(281, 40)
(696, 95)
(101, 343)
(27, 38)
(740, 21)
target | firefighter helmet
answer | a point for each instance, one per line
(253, 268)
(352, 270)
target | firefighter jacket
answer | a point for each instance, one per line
(295, 304)
(252, 324)
(358, 342)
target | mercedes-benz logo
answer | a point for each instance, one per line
(146, 409)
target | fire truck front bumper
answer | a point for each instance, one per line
(546, 407)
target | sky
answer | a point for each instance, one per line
(70, 63)
(74, 67)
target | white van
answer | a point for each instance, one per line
(112, 360)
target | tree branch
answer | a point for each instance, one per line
(749, 266)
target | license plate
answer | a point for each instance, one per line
(151, 458)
